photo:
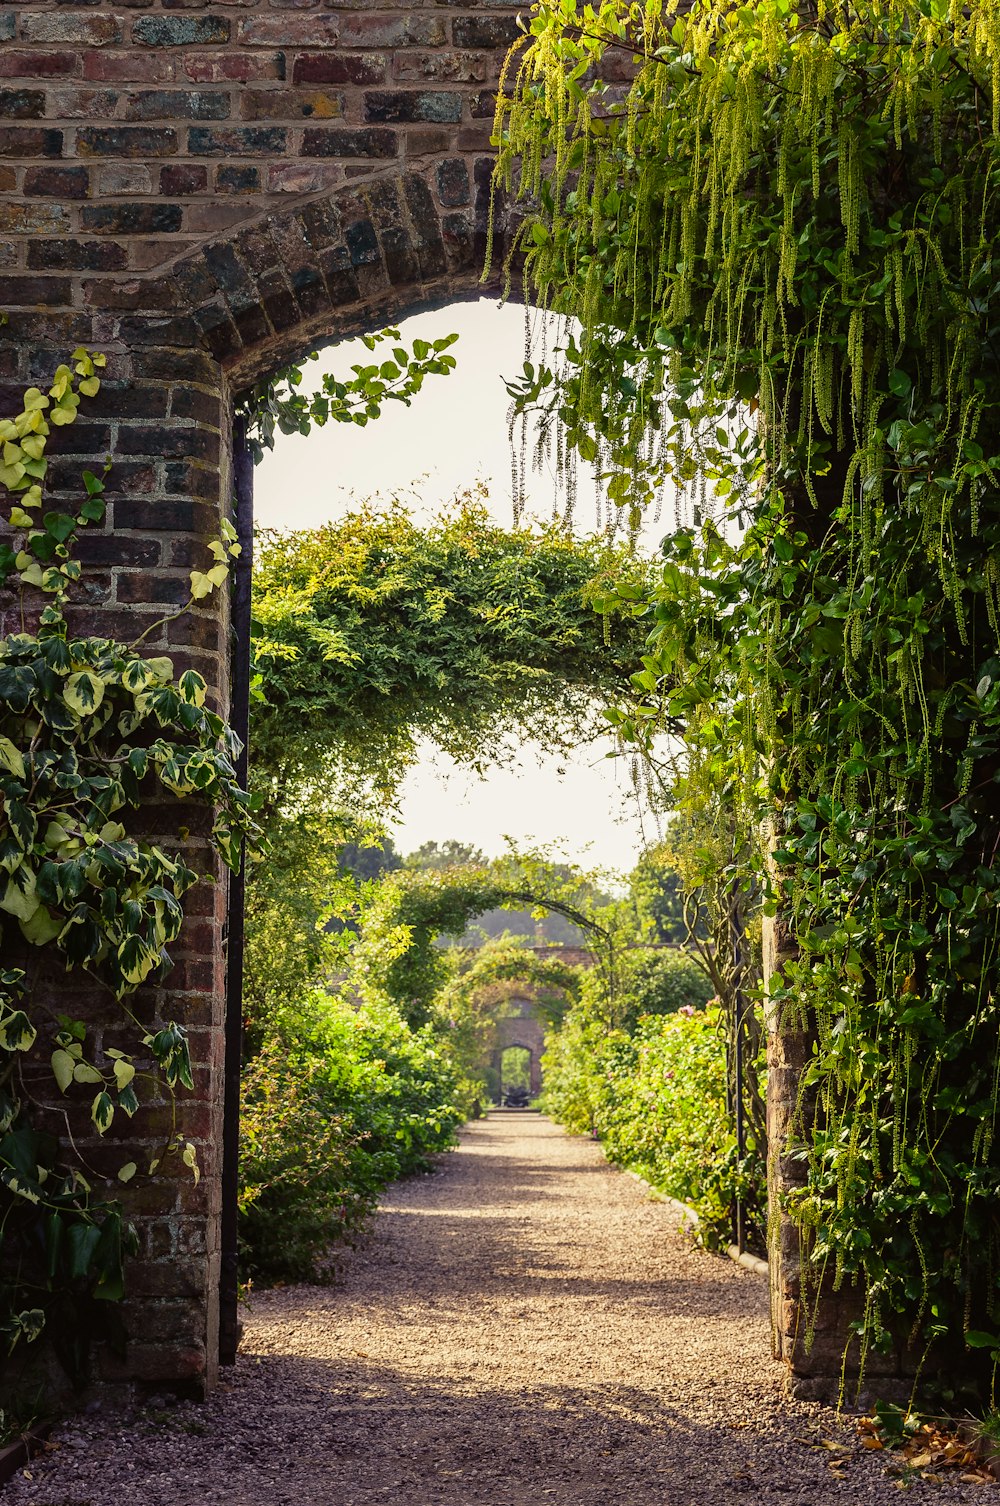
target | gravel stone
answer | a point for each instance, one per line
(523, 1327)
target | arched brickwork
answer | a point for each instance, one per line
(524, 1026)
(203, 192)
(204, 189)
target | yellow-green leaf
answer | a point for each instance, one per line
(41, 927)
(62, 1069)
(18, 895)
(10, 758)
(124, 1073)
(84, 1072)
(162, 669)
(127, 1172)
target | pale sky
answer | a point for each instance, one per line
(454, 434)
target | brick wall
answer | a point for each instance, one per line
(202, 191)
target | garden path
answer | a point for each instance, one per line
(523, 1327)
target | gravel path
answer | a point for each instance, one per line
(523, 1327)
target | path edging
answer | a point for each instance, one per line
(691, 1220)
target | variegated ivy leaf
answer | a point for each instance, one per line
(17, 1032)
(193, 687)
(83, 692)
(102, 1112)
(17, 893)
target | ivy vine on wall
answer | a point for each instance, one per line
(91, 733)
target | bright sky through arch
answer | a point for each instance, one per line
(452, 436)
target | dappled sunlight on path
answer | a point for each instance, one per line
(522, 1327)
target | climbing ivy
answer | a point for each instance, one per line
(780, 242)
(372, 632)
(91, 733)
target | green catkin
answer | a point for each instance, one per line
(721, 182)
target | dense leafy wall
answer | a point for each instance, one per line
(781, 244)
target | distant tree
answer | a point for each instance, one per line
(369, 860)
(448, 854)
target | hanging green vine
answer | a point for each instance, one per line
(91, 732)
(780, 241)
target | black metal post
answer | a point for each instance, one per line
(739, 1023)
(239, 716)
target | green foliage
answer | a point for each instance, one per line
(276, 403)
(800, 215)
(90, 732)
(372, 633)
(662, 981)
(657, 1101)
(338, 1103)
(398, 956)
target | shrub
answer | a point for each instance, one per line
(298, 1196)
(661, 982)
(657, 1100)
(338, 1103)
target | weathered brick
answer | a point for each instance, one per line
(34, 219)
(448, 66)
(240, 67)
(392, 31)
(22, 104)
(232, 179)
(336, 68)
(126, 141)
(8, 25)
(132, 219)
(8, 179)
(76, 256)
(30, 141)
(236, 141)
(125, 178)
(289, 104)
(179, 31)
(435, 106)
(148, 587)
(146, 515)
(57, 182)
(335, 142)
(289, 31)
(172, 104)
(84, 31)
(453, 181)
(40, 64)
(303, 177)
(485, 31)
(129, 67)
(183, 178)
(50, 292)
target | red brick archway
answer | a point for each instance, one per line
(204, 193)
(204, 189)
